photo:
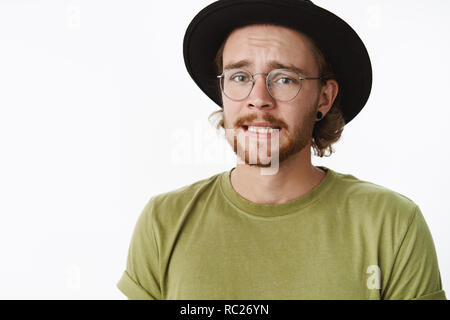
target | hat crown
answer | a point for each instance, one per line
(269, 1)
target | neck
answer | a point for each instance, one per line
(296, 176)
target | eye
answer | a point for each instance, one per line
(284, 77)
(285, 80)
(239, 78)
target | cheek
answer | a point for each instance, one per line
(231, 105)
(231, 112)
(296, 119)
(290, 113)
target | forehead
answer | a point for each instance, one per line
(261, 44)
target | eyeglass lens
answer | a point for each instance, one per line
(283, 85)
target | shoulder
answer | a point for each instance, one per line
(168, 206)
(185, 193)
(372, 201)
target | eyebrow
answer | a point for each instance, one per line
(273, 64)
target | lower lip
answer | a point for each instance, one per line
(259, 135)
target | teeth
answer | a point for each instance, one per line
(262, 129)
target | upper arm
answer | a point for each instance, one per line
(415, 273)
(141, 278)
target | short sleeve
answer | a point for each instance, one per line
(140, 280)
(415, 273)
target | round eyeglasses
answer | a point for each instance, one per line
(282, 84)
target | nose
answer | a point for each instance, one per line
(259, 96)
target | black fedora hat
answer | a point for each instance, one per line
(336, 39)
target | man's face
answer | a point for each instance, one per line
(260, 46)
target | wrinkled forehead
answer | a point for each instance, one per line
(260, 43)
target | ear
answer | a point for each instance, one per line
(328, 94)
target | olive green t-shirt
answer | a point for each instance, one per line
(345, 239)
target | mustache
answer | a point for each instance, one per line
(270, 119)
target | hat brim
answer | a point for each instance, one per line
(338, 41)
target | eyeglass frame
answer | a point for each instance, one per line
(267, 84)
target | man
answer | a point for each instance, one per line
(288, 75)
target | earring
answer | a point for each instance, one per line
(319, 115)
